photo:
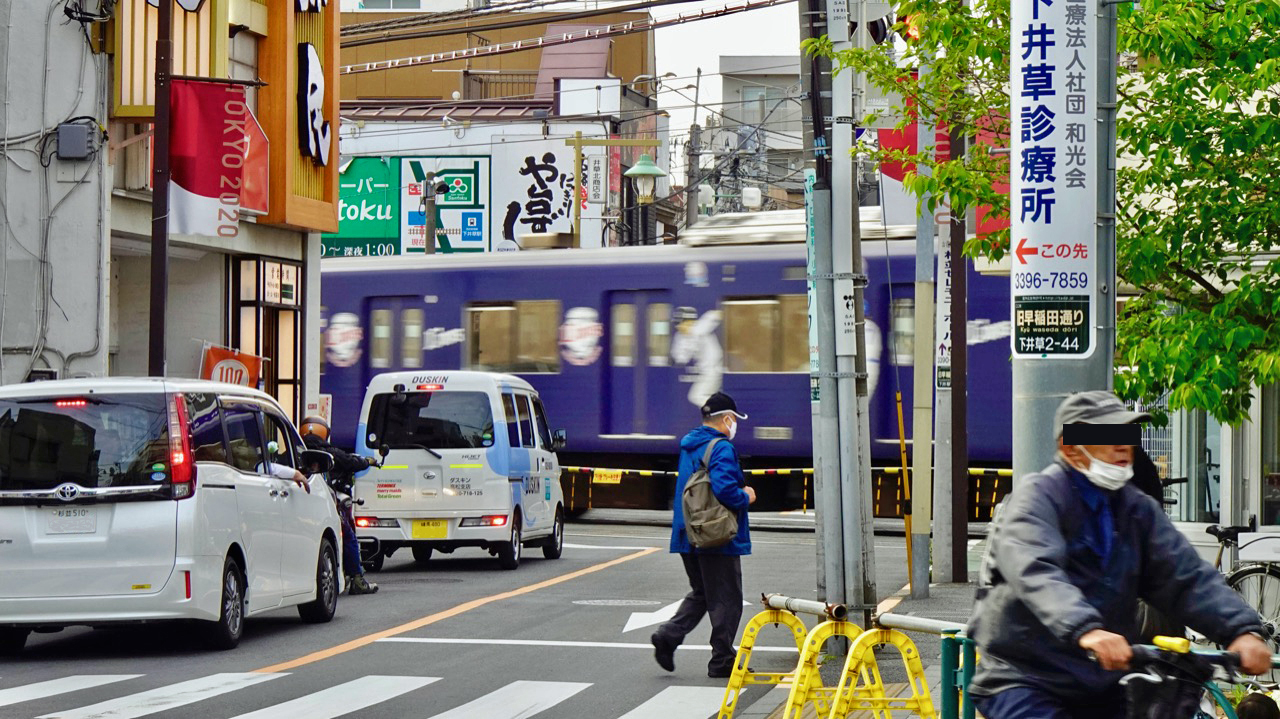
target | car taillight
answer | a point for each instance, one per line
(365, 521)
(187, 576)
(182, 471)
(491, 520)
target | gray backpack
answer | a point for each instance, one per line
(708, 523)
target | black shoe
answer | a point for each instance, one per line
(664, 653)
(720, 673)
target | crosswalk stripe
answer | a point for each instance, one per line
(680, 703)
(54, 687)
(517, 700)
(343, 699)
(165, 698)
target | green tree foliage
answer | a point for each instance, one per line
(1198, 209)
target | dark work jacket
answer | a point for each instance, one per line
(1042, 586)
(345, 464)
(727, 484)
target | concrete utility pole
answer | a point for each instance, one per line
(156, 358)
(922, 387)
(959, 387)
(1045, 367)
(693, 151)
(825, 418)
(429, 211)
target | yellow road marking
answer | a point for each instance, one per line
(446, 614)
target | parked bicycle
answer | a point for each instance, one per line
(1257, 582)
(1169, 680)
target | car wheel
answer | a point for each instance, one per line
(225, 632)
(322, 608)
(509, 553)
(555, 543)
(12, 640)
(421, 554)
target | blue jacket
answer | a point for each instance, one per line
(726, 482)
(1049, 577)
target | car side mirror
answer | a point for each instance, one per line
(558, 439)
(316, 461)
(384, 450)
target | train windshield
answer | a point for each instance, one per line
(431, 420)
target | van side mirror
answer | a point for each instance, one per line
(315, 461)
(558, 439)
(384, 450)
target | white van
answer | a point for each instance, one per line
(137, 500)
(468, 461)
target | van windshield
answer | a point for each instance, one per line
(116, 440)
(431, 420)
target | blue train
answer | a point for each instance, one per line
(624, 344)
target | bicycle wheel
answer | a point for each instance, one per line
(1259, 584)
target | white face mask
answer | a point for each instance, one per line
(1105, 475)
(733, 428)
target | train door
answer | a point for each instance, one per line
(639, 362)
(395, 334)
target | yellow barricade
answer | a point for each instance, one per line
(862, 688)
(743, 677)
(806, 687)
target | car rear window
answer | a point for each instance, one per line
(98, 440)
(431, 420)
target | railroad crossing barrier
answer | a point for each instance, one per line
(861, 686)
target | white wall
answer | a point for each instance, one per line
(52, 221)
(197, 310)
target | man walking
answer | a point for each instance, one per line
(1074, 548)
(715, 575)
(315, 434)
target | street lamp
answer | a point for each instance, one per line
(645, 175)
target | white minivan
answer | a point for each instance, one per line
(138, 500)
(468, 460)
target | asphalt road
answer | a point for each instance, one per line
(457, 639)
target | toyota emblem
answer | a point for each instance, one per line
(67, 492)
(428, 475)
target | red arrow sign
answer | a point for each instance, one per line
(1023, 250)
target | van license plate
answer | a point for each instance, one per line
(73, 520)
(430, 528)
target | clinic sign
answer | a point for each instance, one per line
(1053, 180)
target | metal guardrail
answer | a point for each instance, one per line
(835, 612)
(959, 658)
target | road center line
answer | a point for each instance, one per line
(560, 643)
(446, 614)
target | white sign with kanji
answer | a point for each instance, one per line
(1053, 178)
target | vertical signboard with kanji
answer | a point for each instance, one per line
(1053, 178)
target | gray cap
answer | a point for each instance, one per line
(1094, 407)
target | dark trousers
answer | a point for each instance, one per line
(716, 583)
(1027, 703)
(350, 545)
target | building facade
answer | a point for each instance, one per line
(255, 289)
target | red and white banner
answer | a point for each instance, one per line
(223, 364)
(208, 141)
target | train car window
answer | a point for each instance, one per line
(514, 337)
(537, 336)
(489, 330)
(509, 409)
(794, 347)
(526, 421)
(795, 273)
(411, 339)
(380, 343)
(622, 346)
(751, 334)
(659, 334)
(902, 330)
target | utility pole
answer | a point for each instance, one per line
(923, 374)
(429, 209)
(1075, 351)
(823, 397)
(156, 356)
(959, 386)
(693, 151)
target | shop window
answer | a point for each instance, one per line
(659, 334)
(902, 331)
(767, 334)
(411, 338)
(267, 321)
(514, 337)
(622, 344)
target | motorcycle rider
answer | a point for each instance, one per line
(315, 433)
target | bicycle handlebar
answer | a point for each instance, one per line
(1147, 654)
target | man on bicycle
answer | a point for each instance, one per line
(1072, 550)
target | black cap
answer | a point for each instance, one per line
(720, 403)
